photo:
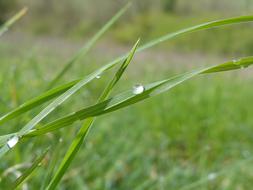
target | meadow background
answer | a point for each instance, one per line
(196, 136)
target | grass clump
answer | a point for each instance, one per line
(118, 169)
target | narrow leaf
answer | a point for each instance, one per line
(12, 20)
(128, 98)
(35, 102)
(61, 89)
(78, 140)
(27, 173)
(86, 48)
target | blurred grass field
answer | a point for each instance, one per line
(196, 136)
(181, 139)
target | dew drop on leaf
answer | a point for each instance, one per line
(12, 141)
(138, 89)
(212, 176)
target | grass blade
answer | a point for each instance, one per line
(4, 138)
(69, 156)
(86, 48)
(69, 119)
(62, 89)
(27, 173)
(127, 98)
(78, 140)
(204, 26)
(55, 156)
(12, 20)
(39, 100)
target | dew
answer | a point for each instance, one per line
(211, 176)
(138, 89)
(60, 140)
(12, 142)
(235, 61)
(98, 76)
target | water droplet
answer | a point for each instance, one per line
(60, 140)
(98, 76)
(138, 89)
(212, 176)
(237, 62)
(234, 61)
(12, 142)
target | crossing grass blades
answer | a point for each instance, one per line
(105, 104)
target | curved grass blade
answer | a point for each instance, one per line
(53, 105)
(79, 139)
(127, 98)
(58, 101)
(204, 26)
(12, 20)
(199, 27)
(86, 48)
(27, 173)
(39, 100)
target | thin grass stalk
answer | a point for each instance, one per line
(79, 139)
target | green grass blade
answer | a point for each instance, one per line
(27, 173)
(12, 20)
(55, 156)
(119, 73)
(204, 26)
(58, 101)
(4, 138)
(127, 98)
(39, 100)
(62, 89)
(53, 105)
(69, 156)
(69, 119)
(200, 27)
(86, 48)
(78, 140)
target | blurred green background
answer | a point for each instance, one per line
(197, 136)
